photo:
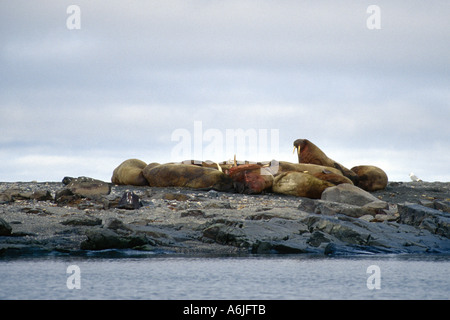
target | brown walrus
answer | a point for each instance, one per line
(371, 178)
(308, 152)
(250, 178)
(188, 176)
(284, 166)
(129, 172)
(332, 177)
(300, 184)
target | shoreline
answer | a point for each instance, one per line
(42, 218)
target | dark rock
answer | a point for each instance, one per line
(88, 187)
(435, 221)
(5, 228)
(5, 198)
(192, 213)
(100, 239)
(129, 201)
(116, 224)
(84, 221)
(66, 197)
(176, 196)
(67, 180)
(442, 205)
(41, 195)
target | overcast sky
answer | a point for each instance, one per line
(148, 79)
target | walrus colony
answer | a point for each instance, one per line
(309, 178)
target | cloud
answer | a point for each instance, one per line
(137, 71)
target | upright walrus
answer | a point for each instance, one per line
(129, 172)
(188, 176)
(308, 152)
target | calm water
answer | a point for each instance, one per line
(261, 277)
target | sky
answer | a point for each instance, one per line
(84, 88)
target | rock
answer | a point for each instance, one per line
(5, 228)
(116, 224)
(192, 213)
(176, 196)
(442, 205)
(5, 198)
(433, 220)
(258, 236)
(347, 193)
(41, 195)
(66, 197)
(129, 201)
(88, 187)
(100, 239)
(67, 180)
(331, 208)
(83, 221)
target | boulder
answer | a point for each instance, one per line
(100, 239)
(130, 201)
(350, 194)
(88, 187)
(5, 228)
(433, 220)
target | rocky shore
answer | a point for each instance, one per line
(85, 216)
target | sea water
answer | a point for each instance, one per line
(203, 278)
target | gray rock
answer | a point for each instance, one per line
(5, 228)
(130, 201)
(88, 187)
(83, 221)
(332, 208)
(350, 194)
(442, 205)
(5, 198)
(100, 239)
(435, 221)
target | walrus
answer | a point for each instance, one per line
(148, 168)
(129, 172)
(250, 178)
(188, 176)
(308, 152)
(371, 178)
(300, 184)
(332, 177)
(284, 166)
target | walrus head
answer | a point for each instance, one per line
(308, 152)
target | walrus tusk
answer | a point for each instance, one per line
(219, 167)
(298, 150)
(234, 163)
